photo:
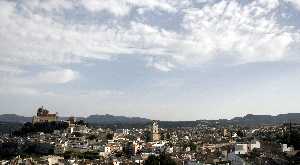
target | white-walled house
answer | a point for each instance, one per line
(254, 144)
(241, 149)
(285, 148)
(244, 148)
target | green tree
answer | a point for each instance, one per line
(109, 136)
(162, 159)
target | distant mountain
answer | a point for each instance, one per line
(110, 119)
(96, 119)
(13, 118)
(294, 117)
(248, 120)
(251, 119)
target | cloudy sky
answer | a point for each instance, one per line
(160, 59)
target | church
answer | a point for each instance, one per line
(43, 116)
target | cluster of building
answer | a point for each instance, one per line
(216, 144)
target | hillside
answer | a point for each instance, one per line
(248, 120)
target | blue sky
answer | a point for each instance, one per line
(160, 59)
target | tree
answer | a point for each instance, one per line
(109, 136)
(80, 122)
(240, 133)
(193, 146)
(41, 127)
(162, 159)
(77, 134)
(92, 137)
(152, 160)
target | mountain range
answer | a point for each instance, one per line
(94, 119)
(251, 119)
(248, 120)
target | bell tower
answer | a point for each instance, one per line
(155, 131)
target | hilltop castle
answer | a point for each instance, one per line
(43, 116)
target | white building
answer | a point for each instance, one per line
(245, 148)
(241, 149)
(105, 151)
(169, 150)
(54, 160)
(187, 149)
(81, 129)
(285, 148)
(254, 144)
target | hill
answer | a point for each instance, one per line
(119, 121)
(13, 118)
(97, 119)
(252, 120)
(110, 119)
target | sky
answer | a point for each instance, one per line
(159, 59)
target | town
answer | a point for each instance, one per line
(149, 82)
(47, 140)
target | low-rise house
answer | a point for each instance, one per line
(54, 160)
(241, 149)
(286, 148)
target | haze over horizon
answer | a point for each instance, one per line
(158, 59)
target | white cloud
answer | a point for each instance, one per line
(248, 33)
(58, 76)
(161, 65)
(245, 33)
(41, 40)
(49, 5)
(295, 3)
(14, 81)
(123, 7)
(117, 8)
(15, 77)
